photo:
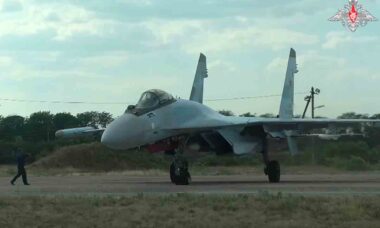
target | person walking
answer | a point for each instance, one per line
(21, 158)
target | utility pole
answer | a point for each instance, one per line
(312, 102)
(309, 99)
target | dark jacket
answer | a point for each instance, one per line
(21, 161)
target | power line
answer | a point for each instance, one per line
(255, 97)
(125, 103)
(62, 102)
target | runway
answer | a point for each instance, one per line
(115, 184)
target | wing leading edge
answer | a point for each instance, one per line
(272, 123)
(78, 132)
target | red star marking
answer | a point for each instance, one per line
(353, 14)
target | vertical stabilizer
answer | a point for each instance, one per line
(287, 99)
(200, 75)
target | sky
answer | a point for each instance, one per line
(112, 51)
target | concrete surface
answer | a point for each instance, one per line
(114, 184)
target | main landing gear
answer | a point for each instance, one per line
(179, 169)
(272, 168)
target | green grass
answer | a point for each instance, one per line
(184, 210)
(96, 157)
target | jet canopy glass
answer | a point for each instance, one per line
(150, 100)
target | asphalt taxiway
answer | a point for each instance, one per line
(119, 184)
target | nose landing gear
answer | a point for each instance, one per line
(272, 167)
(179, 173)
(272, 170)
(179, 169)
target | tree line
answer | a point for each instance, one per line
(41, 126)
(346, 115)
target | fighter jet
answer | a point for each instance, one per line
(160, 121)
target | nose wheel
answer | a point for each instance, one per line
(273, 171)
(179, 169)
(272, 168)
(179, 174)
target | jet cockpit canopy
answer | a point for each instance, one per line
(150, 100)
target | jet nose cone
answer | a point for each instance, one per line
(124, 133)
(112, 138)
(106, 139)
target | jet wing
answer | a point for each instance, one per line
(330, 136)
(78, 132)
(309, 124)
(270, 124)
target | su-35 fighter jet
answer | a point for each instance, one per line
(160, 119)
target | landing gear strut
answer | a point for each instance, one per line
(179, 173)
(272, 168)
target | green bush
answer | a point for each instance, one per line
(96, 157)
(335, 162)
(35, 149)
(347, 155)
(374, 155)
(356, 163)
(346, 150)
(304, 157)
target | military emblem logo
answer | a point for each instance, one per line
(353, 15)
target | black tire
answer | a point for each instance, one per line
(273, 171)
(183, 178)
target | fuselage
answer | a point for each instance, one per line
(130, 130)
